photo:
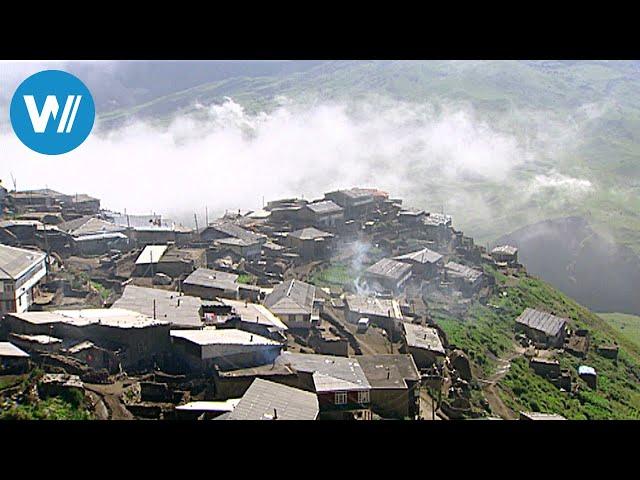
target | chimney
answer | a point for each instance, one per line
(275, 414)
(251, 339)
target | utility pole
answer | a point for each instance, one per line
(206, 215)
(48, 250)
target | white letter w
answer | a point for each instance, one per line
(39, 120)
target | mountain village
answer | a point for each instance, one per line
(303, 310)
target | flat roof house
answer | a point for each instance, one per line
(382, 312)
(265, 400)
(542, 327)
(387, 274)
(226, 348)
(181, 311)
(139, 340)
(20, 272)
(358, 203)
(295, 303)
(424, 344)
(395, 384)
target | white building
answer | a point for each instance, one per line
(20, 272)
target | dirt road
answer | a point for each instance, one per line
(111, 395)
(491, 388)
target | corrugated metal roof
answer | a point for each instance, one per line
(462, 271)
(291, 297)
(266, 400)
(542, 321)
(232, 230)
(14, 262)
(389, 268)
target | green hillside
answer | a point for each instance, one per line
(487, 335)
(627, 326)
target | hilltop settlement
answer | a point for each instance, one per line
(338, 308)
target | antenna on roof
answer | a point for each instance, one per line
(195, 216)
(13, 180)
(206, 215)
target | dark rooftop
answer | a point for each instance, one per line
(542, 321)
(389, 371)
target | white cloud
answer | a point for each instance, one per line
(232, 159)
(564, 183)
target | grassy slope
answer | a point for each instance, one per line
(628, 326)
(489, 332)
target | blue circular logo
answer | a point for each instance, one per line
(52, 112)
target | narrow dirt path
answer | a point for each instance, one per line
(426, 407)
(111, 395)
(491, 388)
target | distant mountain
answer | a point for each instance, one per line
(584, 264)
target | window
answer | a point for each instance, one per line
(341, 398)
(363, 397)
